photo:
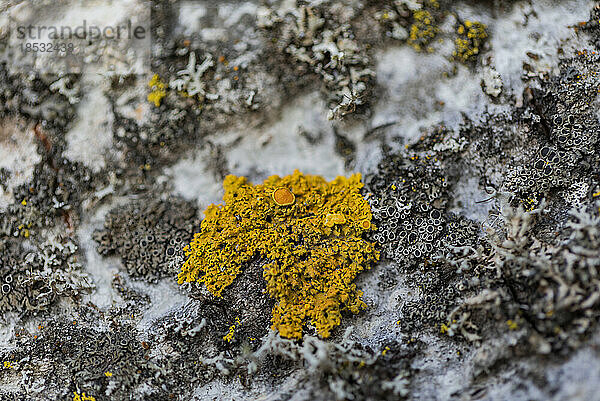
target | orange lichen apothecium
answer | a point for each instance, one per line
(283, 197)
(308, 229)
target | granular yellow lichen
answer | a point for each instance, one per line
(231, 332)
(159, 90)
(423, 29)
(471, 37)
(312, 263)
(82, 397)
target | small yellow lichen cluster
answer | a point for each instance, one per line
(468, 44)
(82, 397)
(310, 232)
(512, 325)
(423, 29)
(448, 328)
(530, 203)
(230, 334)
(159, 90)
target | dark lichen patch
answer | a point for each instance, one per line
(344, 368)
(437, 253)
(553, 285)
(53, 196)
(148, 145)
(135, 299)
(561, 118)
(75, 356)
(521, 270)
(541, 257)
(149, 235)
(33, 280)
(31, 96)
(210, 338)
(5, 175)
(408, 196)
(185, 337)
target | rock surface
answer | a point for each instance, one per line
(475, 125)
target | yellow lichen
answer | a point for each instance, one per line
(334, 218)
(82, 397)
(471, 36)
(311, 264)
(512, 325)
(159, 90)
(231, 332)
(423, 29)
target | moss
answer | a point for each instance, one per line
(468, 44)
(312, 257)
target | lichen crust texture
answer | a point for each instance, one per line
(311, 263)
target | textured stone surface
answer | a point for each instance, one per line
(482, 177)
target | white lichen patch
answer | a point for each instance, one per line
(190, 16)
(108, 48)
(18, 155)
(491, 82)
(280, 147)
(190, 80)
(418, 92)
(470, 200)
(192, 179)
(101, 270)
(90, 139)
(164, 298)
(133, 103)
(536, 29)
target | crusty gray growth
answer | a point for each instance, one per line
(149, 235)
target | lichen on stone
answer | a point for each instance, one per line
(149, 235)
(471, 37)
(311, 262)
